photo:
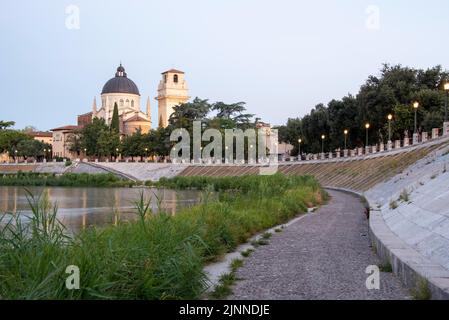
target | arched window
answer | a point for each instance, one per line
(132, 103)
(121, 102)
(127, 102)
(175, 78)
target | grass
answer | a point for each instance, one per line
(224, 288)
(266, 235)
(263, 242)
(247, 252)
(404, 196)
(386, 267)
(158, 256)
(66, 180)
(393, 204)
(422, 290)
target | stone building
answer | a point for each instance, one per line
(42, 136)
(61, 139)
(172, 91)
(122, 91)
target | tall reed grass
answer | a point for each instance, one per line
(158, 256)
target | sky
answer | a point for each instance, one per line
(280, 57)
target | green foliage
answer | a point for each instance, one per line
(247, 252)
(115, 125)
(404, 196)
(266, 235)
(102, 141)
(422, 290)
(90, 136)
(65, 180)
(386, 267)
(6, 124)
(10, 140)
(392, 92)
(157, 257)
(134, 145)
(393, 204)
(32, 148)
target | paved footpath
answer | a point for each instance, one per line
(322, 256)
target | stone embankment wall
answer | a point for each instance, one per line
(409, 224)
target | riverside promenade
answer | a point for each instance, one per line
(322, 256)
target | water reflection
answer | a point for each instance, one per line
(79, 208)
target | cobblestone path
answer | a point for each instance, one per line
(322, 256)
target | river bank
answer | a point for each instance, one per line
(156, 257)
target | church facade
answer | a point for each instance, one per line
(121, 90)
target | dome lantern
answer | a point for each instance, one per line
(120, 83)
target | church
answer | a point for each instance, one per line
(121, 90)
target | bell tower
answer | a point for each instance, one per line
(172, 91)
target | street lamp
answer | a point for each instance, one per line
(367, 125)
(346, 131)
(299, 148)
(416, 106)
(446, 88)
(322, 142)
(389, 117)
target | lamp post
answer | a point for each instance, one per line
(389, 117)
(416, 106)
(367, 125)
(322, 143)
(45, 154)
(146, 152)
(116, 154)
(345, 132)
(446, 88)
(299, 148)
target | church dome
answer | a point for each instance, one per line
(120, 83)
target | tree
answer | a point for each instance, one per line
(6, 124)
(108, 142)
(393, 92)
(133, 145)
(115, 125)
(90, 135)
(10, 140)
(232, 115)
(75, 142)
(184, 114)
(32, 148)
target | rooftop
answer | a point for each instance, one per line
(67, 128)
(173, 71)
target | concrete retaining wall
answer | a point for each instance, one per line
(409, 224)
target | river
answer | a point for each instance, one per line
(79, 208)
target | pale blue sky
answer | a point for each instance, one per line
(281, 57)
